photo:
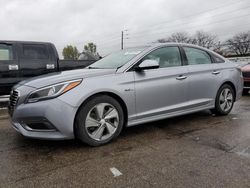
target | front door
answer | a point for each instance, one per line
(162, 90)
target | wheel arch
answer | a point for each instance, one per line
(107, 93)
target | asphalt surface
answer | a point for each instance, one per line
(197, 150)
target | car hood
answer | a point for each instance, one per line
(57, 77)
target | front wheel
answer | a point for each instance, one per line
(224, 100)
(99, 121)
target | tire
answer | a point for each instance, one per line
(245, 91)
(99, 121)
(224, 105)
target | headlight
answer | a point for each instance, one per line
(52, 91)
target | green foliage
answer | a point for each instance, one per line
(70, 52)
(90, 47)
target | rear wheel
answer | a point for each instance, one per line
(224, 100)
(99, 121)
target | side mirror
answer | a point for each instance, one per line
(148, 64)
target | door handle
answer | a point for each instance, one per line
(13, 67)
(50, 66)
(216, 72)
(181, 77)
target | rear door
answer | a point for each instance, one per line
(9, 67)
(35, 60)
(203, 77)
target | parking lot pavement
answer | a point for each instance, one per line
(198, 150)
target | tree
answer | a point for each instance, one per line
(239, 43)
(70, 52)
(205, 40)
(200, 38)
(181, 37)
(218, 48)
(90, 47)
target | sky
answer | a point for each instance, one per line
(78, 22)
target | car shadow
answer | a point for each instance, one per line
(133, 138)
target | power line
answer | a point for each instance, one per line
(185, 23)
(230, 11)
(117, 36)
(204, 25)
(110, 41)
(193, 15)
(135, 43)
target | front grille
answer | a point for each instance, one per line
(246, 74)
(14, 96)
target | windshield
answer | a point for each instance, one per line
(116, 59)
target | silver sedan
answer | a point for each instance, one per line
(126, 88)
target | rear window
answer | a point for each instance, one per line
(197, 56)
(35, 51)
(6, 52)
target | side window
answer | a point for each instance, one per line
(35, 51)
(197, 56)
(167, 57)
(6, 52)
(217, 59)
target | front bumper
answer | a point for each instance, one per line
(51, 119)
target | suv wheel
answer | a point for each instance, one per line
(99, 121)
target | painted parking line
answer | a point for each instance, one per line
(115, 172)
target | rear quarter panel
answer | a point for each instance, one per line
(231, 73)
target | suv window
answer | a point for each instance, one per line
(35, 51)
(196, 56)
(6, 52)
(166, 56)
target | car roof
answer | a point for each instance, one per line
(156, 44)
(176, 44)
(23, 42)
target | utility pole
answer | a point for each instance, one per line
(122, 41)
(122, 38)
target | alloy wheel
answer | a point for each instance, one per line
(226, 99)
(102, 121)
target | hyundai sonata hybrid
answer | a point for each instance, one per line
(126, 88)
